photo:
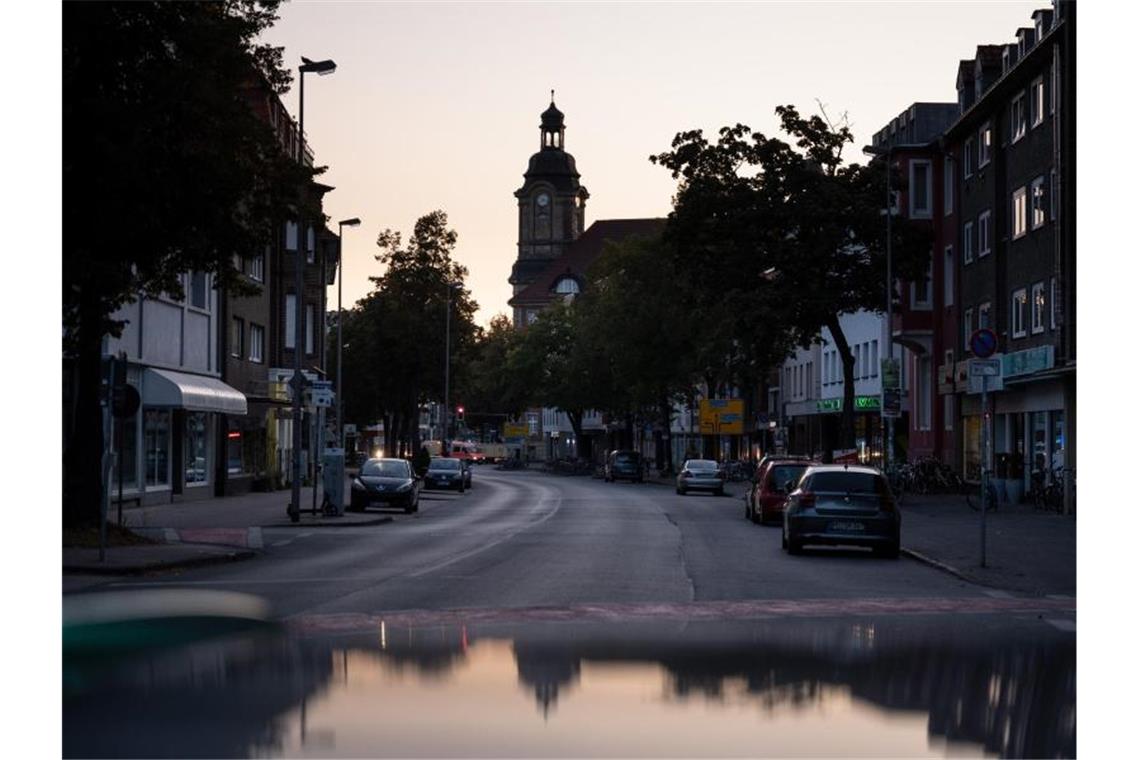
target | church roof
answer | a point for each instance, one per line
(581, 254)
(552, 118)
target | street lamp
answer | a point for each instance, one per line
(353, 222)
(447, 371)
(322, 68)
(876, 150)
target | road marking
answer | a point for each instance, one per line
(997, 594)
(1062, 625)
(254, 539)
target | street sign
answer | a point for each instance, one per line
(892, 403)
(985, 367)
(890, 373)
(983, 343)
(320, 393)
(722, 416)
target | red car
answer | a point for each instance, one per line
(765, 500)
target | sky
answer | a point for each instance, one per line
(436, 105)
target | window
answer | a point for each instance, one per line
(921, 292)
(923, 392)
(1017, 118)
(865, 351)
(1037, 308)
(947, 186)
(291, 321)
(1017, 313)
(257, 268)
(311, 244)
(948, 277)
(290, 236)
(984, 315)
(1019, 212)
(985, 144)
(194, 449)
(1053, 303)
(309, 328)
(1037, 200)
(1037, 102)
(198, 295)
(984, 234)
(968, 243)
(875, 358)
(256, 343)
(156, 438)
(968, 158)
(967, 328)
(237, 336)
(920, 189)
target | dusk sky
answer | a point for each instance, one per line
(436, 105)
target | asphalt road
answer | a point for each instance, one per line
(525, 539)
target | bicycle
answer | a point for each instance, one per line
(991, 496)
(1048, 491)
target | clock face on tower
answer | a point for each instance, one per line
(543, 200)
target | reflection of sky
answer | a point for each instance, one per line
(373, 706)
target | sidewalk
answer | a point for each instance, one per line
(208, 531)
(1027, 551)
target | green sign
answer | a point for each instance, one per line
(890, 372)
(1027, 362)
(862, 404)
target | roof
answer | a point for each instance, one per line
(552, 117)
(582, 253)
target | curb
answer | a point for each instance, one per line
(377, 521)
(951, 570)
(217, 559)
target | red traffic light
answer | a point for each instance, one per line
(459, 409)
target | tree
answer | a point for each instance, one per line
(490, 392)
(166, 169)
(786, 238)
(394, 338)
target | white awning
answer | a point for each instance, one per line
(197, 393)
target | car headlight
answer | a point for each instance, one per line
(357, 485)
(404, 488)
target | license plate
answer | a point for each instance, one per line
(845, 526)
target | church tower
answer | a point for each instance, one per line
(552, 205)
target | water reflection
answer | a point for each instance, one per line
(903, 687)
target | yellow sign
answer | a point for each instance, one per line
(515, 430)
(722, 416)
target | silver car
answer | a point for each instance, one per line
(700, 475)
(838, 504)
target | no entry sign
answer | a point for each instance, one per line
(983, 343)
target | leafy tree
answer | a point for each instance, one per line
(781, 240)
(394, 337)
(489, 391)
(166, 168)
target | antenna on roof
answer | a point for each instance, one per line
(552, 96)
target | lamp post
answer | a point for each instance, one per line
(353, 222)
(447, 371)
(875, 150)
(322, 68)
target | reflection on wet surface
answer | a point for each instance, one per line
(896, 686)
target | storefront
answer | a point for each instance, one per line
(167, 450)
(813, 427)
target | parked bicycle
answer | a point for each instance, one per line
(1047, 490)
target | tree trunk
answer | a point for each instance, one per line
(83, 472)
(847, 420)
(665, 466)
(575, 418)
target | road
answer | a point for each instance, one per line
(526, 539)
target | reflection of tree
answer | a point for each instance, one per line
(546, 669)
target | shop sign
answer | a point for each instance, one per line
(722, 416)
(1027, 362)
(892, 403)
(515, 430)
(961, 376)
(862, 404)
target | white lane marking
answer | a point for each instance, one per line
(254, 538)
(557, 499)
(171, 536)
(290, 540)
(235, 582)
(1062, 625)
(996, 594)
(1060, 596)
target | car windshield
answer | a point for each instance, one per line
(848, 482)
(385, 468)
(700, 464)
(444, 464)
(780, 474)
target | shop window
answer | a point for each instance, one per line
(236, 461)
(156, 442)
(194, 449)
(126, 447)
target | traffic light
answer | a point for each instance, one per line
(459, 413)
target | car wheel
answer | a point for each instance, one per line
(795, 547)
(718, 492)
(681, 491)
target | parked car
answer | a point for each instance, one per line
(765, 499)
(842, 504)
(700, 475)
(446, 472)
(385, 482)
(625, 465)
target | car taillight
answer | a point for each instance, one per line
(807, 499)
